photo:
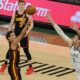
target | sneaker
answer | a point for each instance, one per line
(3, 68)
(29, 71)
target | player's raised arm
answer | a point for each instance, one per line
(30, 27)
(12, 22)
(59, 30)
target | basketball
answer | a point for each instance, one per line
(30, 10)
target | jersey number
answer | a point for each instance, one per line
(20, 24)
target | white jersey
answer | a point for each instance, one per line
(75, 56)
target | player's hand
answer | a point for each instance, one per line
(74, 26)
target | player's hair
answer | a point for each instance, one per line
(8, 34)
(21, 1)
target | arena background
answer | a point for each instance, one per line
(63, 13)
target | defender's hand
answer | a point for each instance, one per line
(74, 26)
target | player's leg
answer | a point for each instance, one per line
(28, 55)
(10, 73)
(25, 44)
(77, 69)
(78, 74)
(29, 58)
(19, 74)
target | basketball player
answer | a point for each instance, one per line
(74, 45)
(13, 57)
(17, 22)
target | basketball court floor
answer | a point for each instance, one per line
(50, 62)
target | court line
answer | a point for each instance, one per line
(65, 73)
(60, 71)
(51, 70)
(45, 68)
(40, 66)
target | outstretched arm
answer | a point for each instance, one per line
(30, 27)
(12, 22)
(59, 30)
